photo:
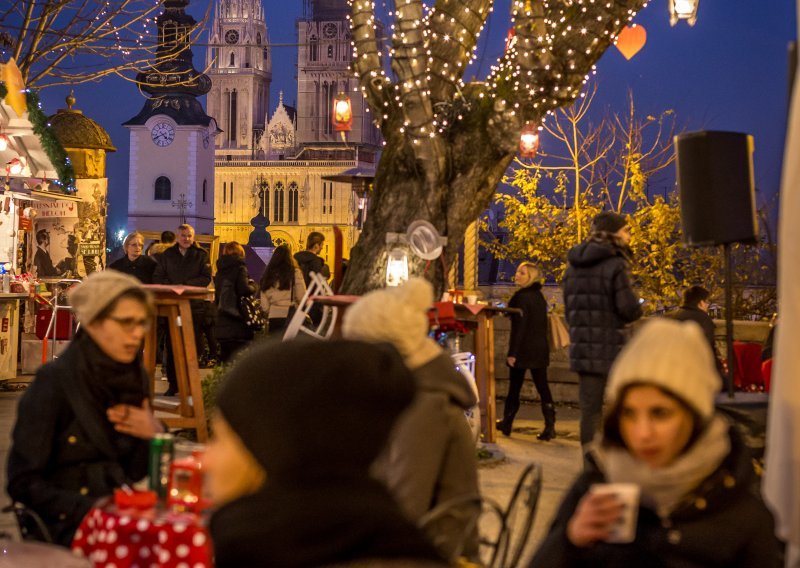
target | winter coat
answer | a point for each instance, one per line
(310, 262)
(528, 341)
(191, 269)
(141, 268)
(276, 302)
(430, 457)
(232, 271)
(599, 301)
(65, 454)
(721, 523)
(701, 318)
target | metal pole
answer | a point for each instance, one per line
(729, 316)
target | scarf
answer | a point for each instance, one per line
(664, 488)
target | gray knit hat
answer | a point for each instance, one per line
(98, 291)
(673, 356)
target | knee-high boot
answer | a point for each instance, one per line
(549, 413)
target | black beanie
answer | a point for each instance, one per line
(609, 222)
(315, 408)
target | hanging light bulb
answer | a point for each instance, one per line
(683, 10)
(3, 142)
(342, 113)
(529, 141)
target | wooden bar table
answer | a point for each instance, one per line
(173, 303)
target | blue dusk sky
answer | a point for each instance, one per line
(728, 72)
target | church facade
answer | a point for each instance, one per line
(276, 164)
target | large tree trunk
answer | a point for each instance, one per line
(448, 147)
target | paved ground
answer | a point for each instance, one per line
(560, 460)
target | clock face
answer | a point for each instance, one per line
(329, 30)
(163, 134)
(231, 36)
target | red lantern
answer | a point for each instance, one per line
(342, 113)
(529, 141)
(185, 491)
(631, 39)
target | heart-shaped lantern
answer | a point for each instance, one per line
(631, 39)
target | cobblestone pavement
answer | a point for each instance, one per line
(559, 458)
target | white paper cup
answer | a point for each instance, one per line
(628, 494)
(446, 297)
(472, 299)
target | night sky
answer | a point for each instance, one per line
(728, 72)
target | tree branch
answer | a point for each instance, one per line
(367, 59)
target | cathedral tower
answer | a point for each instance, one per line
(240, 66)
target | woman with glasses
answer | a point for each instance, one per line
(134, 262)
(84, 423)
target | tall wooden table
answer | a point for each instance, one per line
(172, 302)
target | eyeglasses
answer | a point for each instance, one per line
(129, 324)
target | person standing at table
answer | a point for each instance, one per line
(528, 349)
(135, 263)
(188, 264)
(599, 303)
(231, 283)
(84, 423)
(282, 288)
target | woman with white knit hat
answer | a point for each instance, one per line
(430, 456)
(692, 469)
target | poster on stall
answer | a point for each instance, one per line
(55, 245)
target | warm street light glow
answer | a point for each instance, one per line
(529, 141)
(396, 267)
(683, 10)
(342, 113)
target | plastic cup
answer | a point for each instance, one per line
(624, 531)
(472, 299)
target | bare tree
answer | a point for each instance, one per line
(448, 143)
(57, 42)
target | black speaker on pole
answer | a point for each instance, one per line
(717, 192)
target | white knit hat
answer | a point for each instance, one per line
(672, 355)
(398, 316)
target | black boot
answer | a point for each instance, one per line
(549, 432)
(504, 425)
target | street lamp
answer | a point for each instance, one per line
(683, 10)
(342, 113)
(529, 141)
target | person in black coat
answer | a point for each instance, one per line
(84, 423)
(231, 283)
(697, 505)
(290, 494)
(599, 303)
(184, 263)
(135, 263)
(695, 308)
(528, 349)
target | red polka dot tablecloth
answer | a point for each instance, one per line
(153, 538)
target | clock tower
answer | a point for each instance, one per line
(239, 63)
(171, 171)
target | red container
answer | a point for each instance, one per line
(63, 323)
(136, 499)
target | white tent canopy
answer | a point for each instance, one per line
(23, 142)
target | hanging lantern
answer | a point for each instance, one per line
(683, 10)
(342, 113)
(631, 39)
(4, 142)
(396, 267)
(529, 141)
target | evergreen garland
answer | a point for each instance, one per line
(52, 147)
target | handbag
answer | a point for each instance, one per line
(251, 312)
(557, 333)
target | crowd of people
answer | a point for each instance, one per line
(332, 453)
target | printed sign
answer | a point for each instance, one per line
(61, 208)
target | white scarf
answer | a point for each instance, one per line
(665, 487)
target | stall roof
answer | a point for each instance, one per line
(24, 142)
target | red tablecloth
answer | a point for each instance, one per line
(130, 538)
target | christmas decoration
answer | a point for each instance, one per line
(631, 40)
(683, 10)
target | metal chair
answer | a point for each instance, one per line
(31, 525)
(505, 546)
(317, 286)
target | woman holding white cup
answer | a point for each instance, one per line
(695, 504)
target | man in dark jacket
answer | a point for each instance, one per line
(599, 301)
(309, 259)
(695, 308)
(188, 264)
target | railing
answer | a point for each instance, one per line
(285, 163)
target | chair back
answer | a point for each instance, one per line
(317, 286)
(31, 526)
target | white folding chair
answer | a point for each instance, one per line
(317, 286)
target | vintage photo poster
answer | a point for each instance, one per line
(54, 247)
